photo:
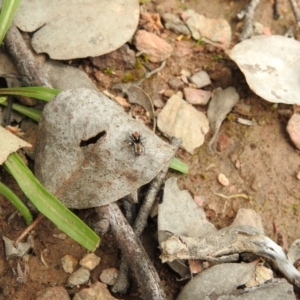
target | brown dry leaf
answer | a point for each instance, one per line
(83, 153)
(9, 143)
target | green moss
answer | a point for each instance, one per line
(200, 42)
(217, 57)
(128, 77)
(108, 71)
(231, 117)
(138, 64)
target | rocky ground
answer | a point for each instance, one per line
(260, 161)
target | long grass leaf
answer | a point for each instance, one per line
(48, 205)
(8, 11)
(16, 202)
(32, 113)
(38, 92)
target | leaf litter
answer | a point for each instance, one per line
(233, 159)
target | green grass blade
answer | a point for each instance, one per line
(48, 205)
(178, 165)
(32, 113)
(8, 11)
(38, 92)
(16, 202)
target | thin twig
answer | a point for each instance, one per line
(28, 229)
(276, 15)
(247, 14)
(296, 11)
(23, 59)
(232, 196)
(140, 223)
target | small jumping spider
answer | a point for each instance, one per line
(136, 143)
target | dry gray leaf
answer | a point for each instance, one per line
(9, 143)
(12, 251)
(65, 77)
(218, 280)
(220, 105)
(83, 154)
(179, 213)
(79, 28)
(271, 65)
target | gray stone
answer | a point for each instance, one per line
(150, 44)
(201, 79)
(69, 263)
(80, 276)
(216, 32)
(293, 129)
(174, 23)
(180, 119)
(195, 96)
(120, 59)
(109, 276)
(97, 291)
(90, 261)
(175, 83)
(53, 293)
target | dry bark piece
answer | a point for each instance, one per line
(228, 243)
(83, 155)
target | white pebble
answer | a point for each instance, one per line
(223, 179)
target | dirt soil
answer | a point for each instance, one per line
(259, 161)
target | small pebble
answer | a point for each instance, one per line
(53, 293)
(201, 79)
(223, 179)
(97, 291)
(223, 142)
(150, 44)
(196, 96)
(169, 93)
(175, 83)
(298, 175)
(61, 236)
(179, 94)
(109, 276)
(80, 276)
(158, 103)
(69, 263)
(293, 129)
(90, 261)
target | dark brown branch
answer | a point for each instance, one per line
(30, 71)
(247, 14)
(122, 282)
(134, 252)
